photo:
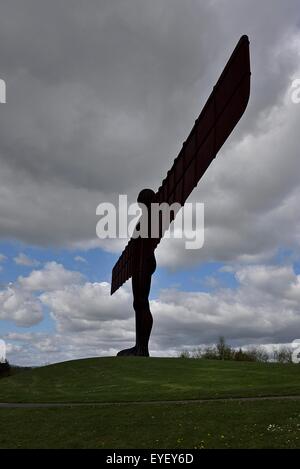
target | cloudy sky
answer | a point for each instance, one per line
(100, 96)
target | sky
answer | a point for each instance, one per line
(100, 97)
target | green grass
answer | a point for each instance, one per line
(259, 424)
(147, 379)
(212, 424)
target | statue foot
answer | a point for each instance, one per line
(128, 352)
(134, 352)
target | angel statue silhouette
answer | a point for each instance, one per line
(221, 113)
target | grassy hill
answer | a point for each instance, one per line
(160, 424)
(149, 379)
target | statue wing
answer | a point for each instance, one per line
(221, 113)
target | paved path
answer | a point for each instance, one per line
(42, 405)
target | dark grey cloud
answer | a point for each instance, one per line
(100, 96)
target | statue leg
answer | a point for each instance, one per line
(141, 283)
(143, 316)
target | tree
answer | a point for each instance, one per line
(4, 368)
(283, 355)
(224, 351)
(184, 354)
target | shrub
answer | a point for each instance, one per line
(283, 355)
(258, 354)
(197, 353)
(184, 354)
(210, 353)
(243, 356)
(224, 352)
(4, 369)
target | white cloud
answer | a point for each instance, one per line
(17, 301)
(52, 277)
(263, 308)
(20, 307)
(88, 306)
(2, 258)
(22, 259)
(272, 279)
(80, 259)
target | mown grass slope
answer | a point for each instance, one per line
(119, 379)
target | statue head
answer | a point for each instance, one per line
(146, 197)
